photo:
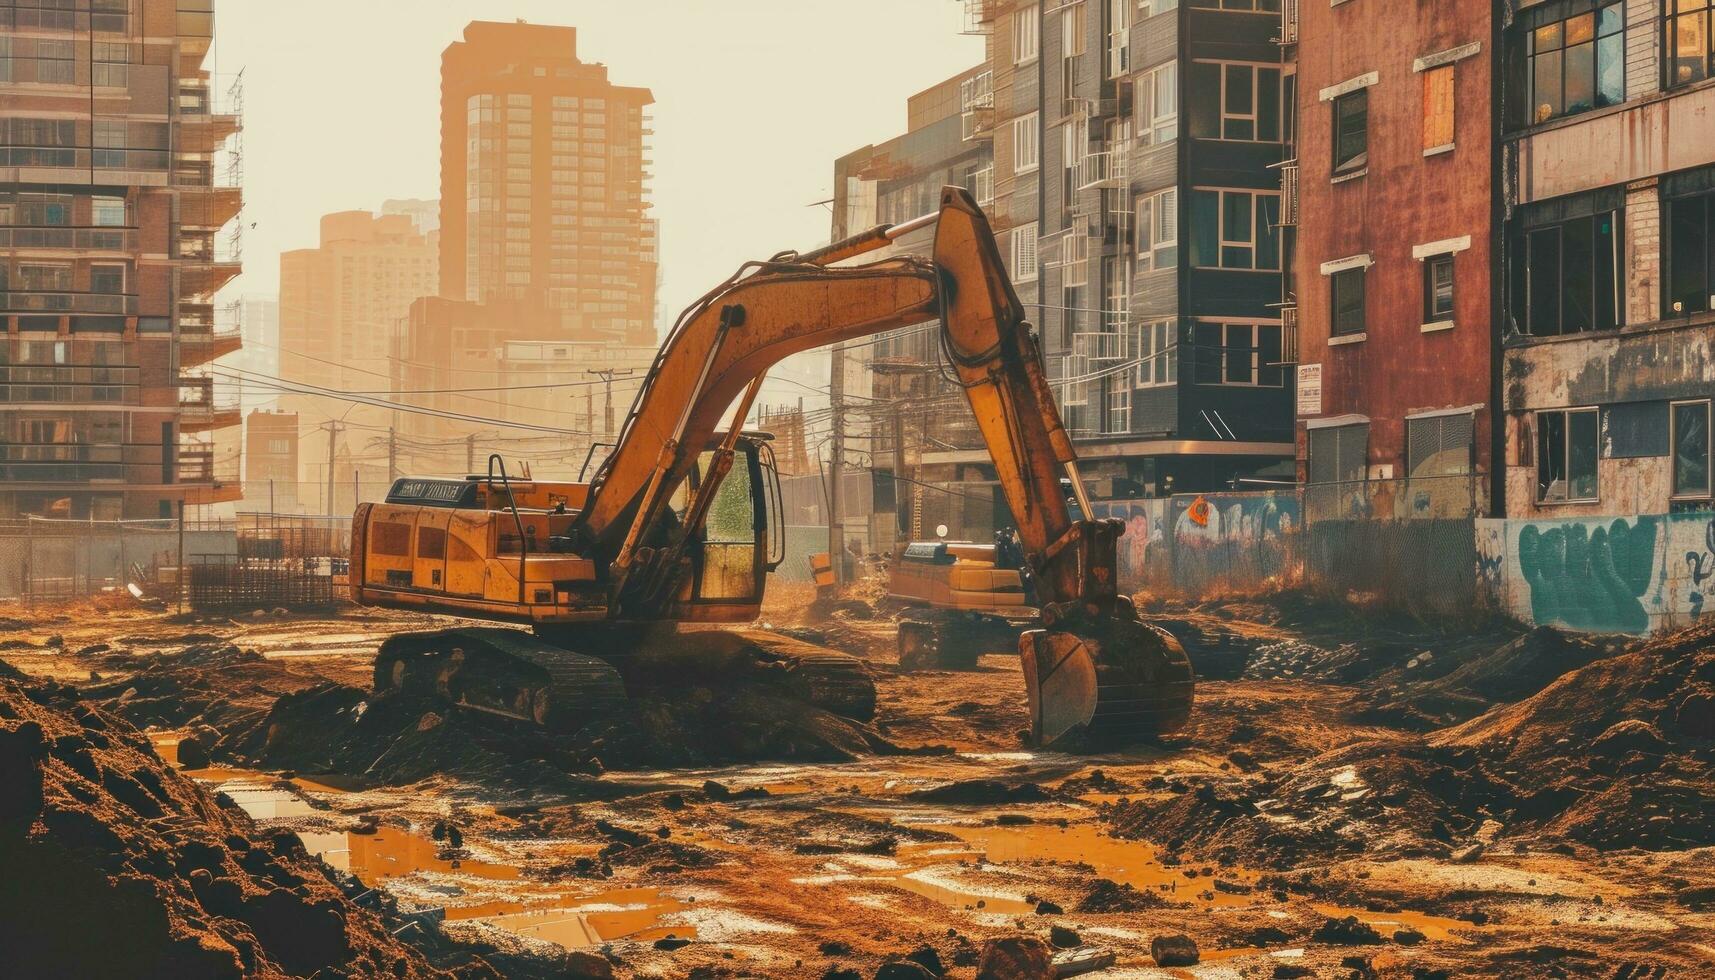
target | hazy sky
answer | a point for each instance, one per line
(753, 101)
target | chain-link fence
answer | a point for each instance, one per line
(53, 560)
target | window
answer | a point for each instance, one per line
(1253, 6)
(1149, 8)
(1156, 347)
(1119, 37)
(1158, 105)
(1566, 276)
(1438, 288)
(1690, 41)
(1241, 354)
(1024, 253)
(1116, 298)
(1235, 230)
(1690, 255)
(44, 277)
(1158, 230)
(1346, 301)
(1438, 107)
(1351, 131)
(107, 278)
(1026, 145)
(1574, 57)
(1691, 449)
(1566, 455)
(1438, 445)
(1338, 453)
(1234, 101)
(1026, 36)
(1072, 21)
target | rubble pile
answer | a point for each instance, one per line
(1617, 753)
(116, 865)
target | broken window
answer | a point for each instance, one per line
(1346, 300)
(1566, 274)
(1691, 449)
(1690, 41)
(1337, 454)
(1690, 255)
(1568, 56)
(1566, 453)
(1438, 288)
(1352, 131)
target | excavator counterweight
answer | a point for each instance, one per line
(682, 521)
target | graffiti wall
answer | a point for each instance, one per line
(1611, 574)
(1195, 544)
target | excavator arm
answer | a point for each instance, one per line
(1093, 672)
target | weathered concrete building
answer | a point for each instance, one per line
(1608, 138)
(1393, 195)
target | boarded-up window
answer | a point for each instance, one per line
(1338, 453)
(431, 543)
(1438, 107)
(391, 538)
(1439, 445)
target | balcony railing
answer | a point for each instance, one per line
(81, 239)
(977, 92)
(80, 462)
(1289, 193)
(71, 384)
(39, 19)
(978, 123)
(1108, 345)
(1106, 168)
(20, 301)
(1289, 21)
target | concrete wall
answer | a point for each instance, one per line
(1606, 574)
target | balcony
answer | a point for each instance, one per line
(208, 480)
(36, 19)
(980, 16)
(1289, 194)
(69, 384)
(201, 411)
(73, 165)
(1288, 21)
(78, 463)
(1103, 346)
(70, 239)
(982, 186)
(978, 123)
(1106, 168)
(201, 340)
(20, 301)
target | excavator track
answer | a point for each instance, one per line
(939, 639)
(502, 672)
(1116, 683)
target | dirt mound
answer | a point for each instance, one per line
(116, 865)
(1619, 753)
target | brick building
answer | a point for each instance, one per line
(116, 189)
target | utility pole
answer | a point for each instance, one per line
(901, 488)
(470, 453)
(392, 454)
(332, 425)
(607, 375)
(836, 464)
(589, 410)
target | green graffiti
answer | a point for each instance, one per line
(1589, 579)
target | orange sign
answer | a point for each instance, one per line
(1199, 511)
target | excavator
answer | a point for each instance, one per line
(681, 522)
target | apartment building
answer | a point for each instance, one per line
(1607, 121)
(543, 174)
(1394, 197)
(271, 447)
(1142, 225)
(342, 308)
(117, 185)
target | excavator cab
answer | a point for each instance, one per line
(741, 539)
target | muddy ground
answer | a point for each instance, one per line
(1357, 796)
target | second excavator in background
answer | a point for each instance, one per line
(681, 523)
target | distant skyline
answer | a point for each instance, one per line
(754, 99)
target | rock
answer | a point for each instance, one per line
(1291, 971)
(1349, 931)
(429, 722)
(981, 792)
(841, 973)
(1015, 958)
(926, 957)
(1046, 907)
(1468, 853)
(1061, 937)
(1264, 936)
(834, 947)
(903, 970)
(581, 964)
(670, 943)
(1696, 896)
(1630, 735)
(192, 753)
(1408, 936)
(1177, 950)
(1107, 895)
(715, 791)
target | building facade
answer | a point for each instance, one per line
(271, 462)
(543, 174)
(1394, 198)
(117, 184)
(1140, 221)
(1607, 118)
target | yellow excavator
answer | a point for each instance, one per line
(681, 522)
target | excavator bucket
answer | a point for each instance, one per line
(1112, 684)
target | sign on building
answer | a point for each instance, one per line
(1309, 389)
